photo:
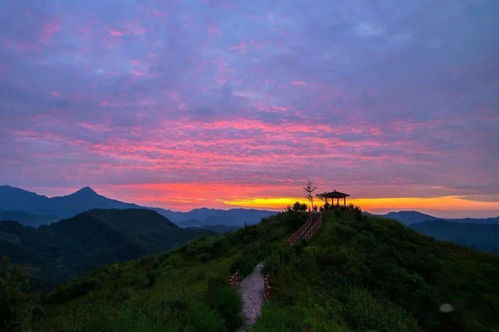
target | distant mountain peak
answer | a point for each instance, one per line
(409, 217)
(86, 191)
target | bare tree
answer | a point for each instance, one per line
(309, 192)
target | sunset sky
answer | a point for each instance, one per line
(184, 104)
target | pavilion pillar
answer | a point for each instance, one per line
(344, 201)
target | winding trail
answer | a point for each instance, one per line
(252, 294)
(252, 288)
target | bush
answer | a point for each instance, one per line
(113, 319)
(71, 291)
(283, 295)
(183, 312)
(279, 319)
(203, 319)
(364, 312)
(16, 306)
(245, 264)
(151, 277)
(298, 207)
(225, 300)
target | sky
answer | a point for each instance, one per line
(182, 104)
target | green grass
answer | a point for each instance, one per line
(370, 273)
(358, 273)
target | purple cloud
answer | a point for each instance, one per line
(387, 100)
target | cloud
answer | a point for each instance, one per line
(366, 30)
(385, 100)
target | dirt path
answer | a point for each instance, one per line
(252, 294)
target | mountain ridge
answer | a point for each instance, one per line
(473, 235)
(55, 208)
(409, 217)
(72, 246)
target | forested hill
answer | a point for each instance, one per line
(358, 273)
(74, 246)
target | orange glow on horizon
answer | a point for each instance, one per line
(187, 196)
(445, 203)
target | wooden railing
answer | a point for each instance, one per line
(313, 229)
(307, 230)
(299, 233)
(266, 286)
(234, 279)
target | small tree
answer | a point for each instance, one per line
(298, 207)
(309, 192)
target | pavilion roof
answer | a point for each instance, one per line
(333, 194)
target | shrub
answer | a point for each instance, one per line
(279, 319)
(151, 277)
(15, 304)
(225, 300)
(203, 319)
(245, 264)
(364, 312)
(298, 207)
(71, 291)
(283, 295)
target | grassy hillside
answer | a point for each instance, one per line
(373, 273)
(358, 273)
(74, 246)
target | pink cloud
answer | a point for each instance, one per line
(84, 30)
(243, 47)
(299, 83)
(42, 36)
(48, 29)
(116, 33)
(213, 29)
(137, 73)
(134, 28)
(136, 62)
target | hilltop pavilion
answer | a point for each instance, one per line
(334, 194)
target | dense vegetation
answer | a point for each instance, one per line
(358, 273)
(74, 246)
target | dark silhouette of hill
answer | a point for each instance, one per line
(475, 221)
(31, 209)
(34, 210)
(73, 246)
(476, 233)
(414, 217)
(408, 217)
(15, 199)
(28, 219)
(473, 235)
(220, 229)
(206, 217)
(358, 273)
